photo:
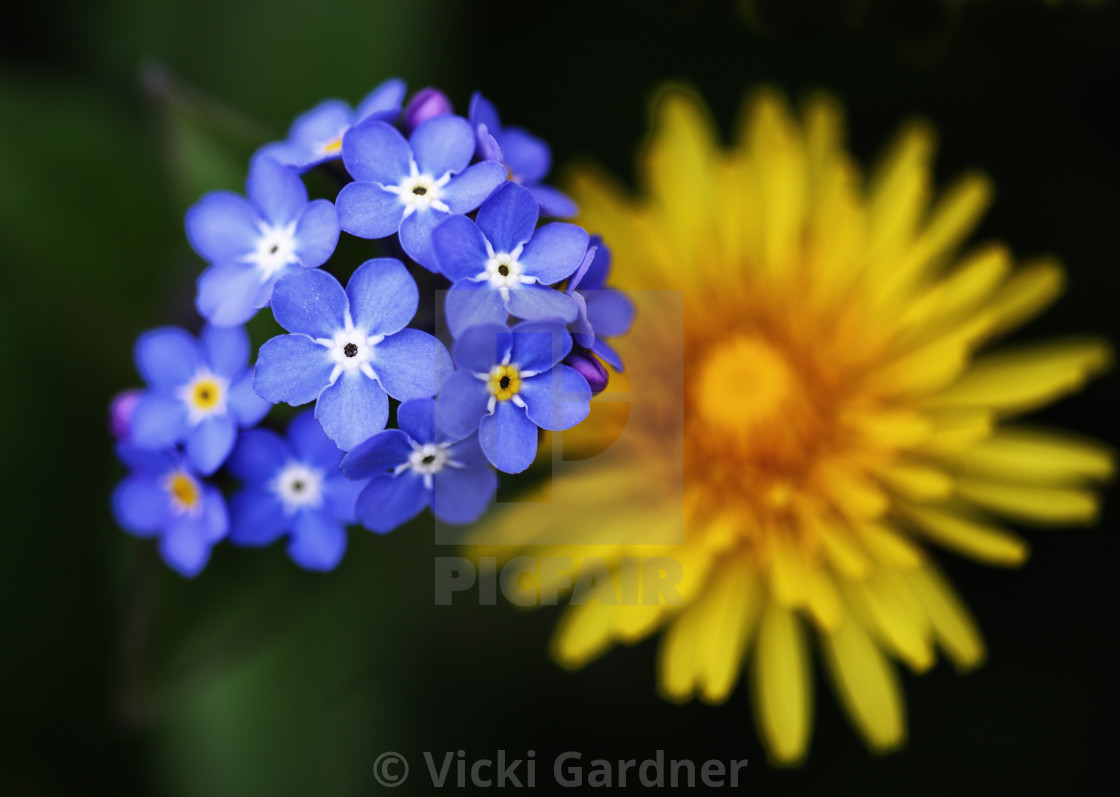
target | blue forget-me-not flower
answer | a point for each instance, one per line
(349, 348)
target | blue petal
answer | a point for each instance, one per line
(539, 345)
(322, 122)
(557, 400)
(528, 157)
(460, 248)
(610, 312)
(256, 517)
(300, 156)
(318, 541)
(599, 268)
(340, 496)
(277, 190)
(508, 438)
(483, 112)
(374, 152)
(311, 444)
(383, 296)
(186, 546)
(555, 252)
(417, 419)
(469, 304)
(539, 303)
(215, 515)
(553, 202)
(411, 364)
(471, 187)
(258, 455)
(582, 331)
(468, 453)
(461, 404)
(382, 452)
(146, 460)
(508, 217)
(369, 211)
(442, 144)
(226, 349)
(581, 272)
(166, 357)
(222, 226)
(317, 234)
(607, 354)
(209, 443)
(481, 348)
(230, 294)
(158, 421)
(416, 236)
(389, 501)
(311, 302)
(140, 505)
(461, 495)
(383, 100)
(352, 410)
(487, 147)
(293, 369)
(245, 405)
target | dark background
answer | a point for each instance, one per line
(257, 678)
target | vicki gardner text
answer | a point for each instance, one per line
(572, 769)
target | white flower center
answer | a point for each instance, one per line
(351, 349)
(297, 486)
(276, 248)
(428, 459)
(503, 271)
(420, 191)
(204, 395)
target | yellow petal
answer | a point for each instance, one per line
(841, 549)
(867, 685)
(1021, 380)
(981, 541)
(1029, 291)
(963, 291)
(1043, 506)
(956, 429)
(781, 685)
(917, 482)
(676, 660)
(778, 166)
(951, 220)
(886, 545)
(888, 604)
(1037, 457)
(953, 625)
(898, 196)
(730, 611)
(679, 160)
(584, 631)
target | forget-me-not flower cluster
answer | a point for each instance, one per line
(525, 306)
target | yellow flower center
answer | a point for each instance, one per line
(333, 146)
(504, 382)
(206, 394)
(744, 385)
(184, 491)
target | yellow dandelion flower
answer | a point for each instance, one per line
(840, 411)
